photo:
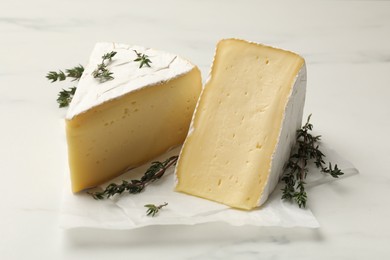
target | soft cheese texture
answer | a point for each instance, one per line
(244, 124)
(124, 122)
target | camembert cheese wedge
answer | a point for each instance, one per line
(244, 125)
(127, 121)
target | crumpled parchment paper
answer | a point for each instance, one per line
(127, 211)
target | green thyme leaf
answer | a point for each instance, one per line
(65, 97)
(143, 59)
(54, 76)
(102, 73)
(75, 72)
(153, 209)
(296, 170)
(153, 173)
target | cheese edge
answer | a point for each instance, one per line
(299, 79)
(71, 114)
(281, 154)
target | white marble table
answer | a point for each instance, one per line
(347, 48)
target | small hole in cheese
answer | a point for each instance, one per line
(219, 182)
(258, 146)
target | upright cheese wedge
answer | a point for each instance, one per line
(244, 125)
(126, 121)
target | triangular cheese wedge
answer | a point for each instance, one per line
(127, 121)
(244, 125)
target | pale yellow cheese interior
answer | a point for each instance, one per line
(227, 156)
(130, 130)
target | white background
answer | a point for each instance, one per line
(347, 49)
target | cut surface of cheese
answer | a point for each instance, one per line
(127, 121)
(244, 124)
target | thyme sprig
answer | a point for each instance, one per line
(153, 173)
(143, 59)
(296, 169)
(74, 73)
(54, 76)
(65, 95)
(101, 72)
(153, 209)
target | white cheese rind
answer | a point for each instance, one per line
(292, 120)
(128, 77)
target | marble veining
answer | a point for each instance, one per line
(40, 24)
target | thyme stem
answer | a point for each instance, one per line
(296, 169)
(66, 96)
(153, 209)
(153, 173)
(101, 72)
